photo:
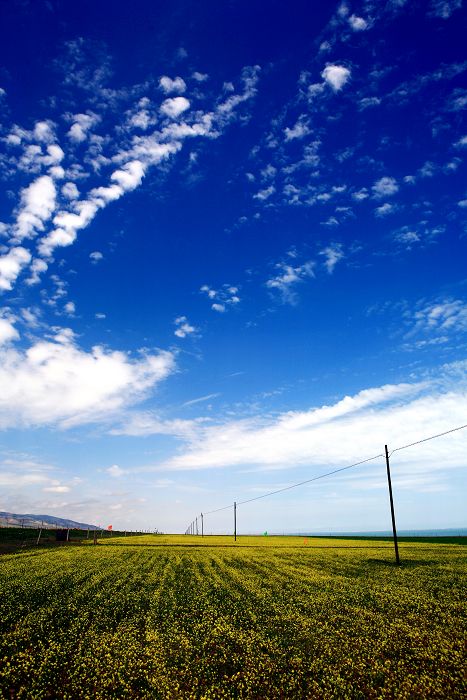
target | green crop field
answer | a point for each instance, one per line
(162, 617)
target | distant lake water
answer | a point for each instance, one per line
(447, 532)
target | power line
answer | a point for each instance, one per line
(308, 481)
(336, 471)
(218, 510)
(432, 437)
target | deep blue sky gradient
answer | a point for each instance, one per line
(391, 311)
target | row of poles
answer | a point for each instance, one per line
(193, 528)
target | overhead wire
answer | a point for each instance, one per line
(336, 471)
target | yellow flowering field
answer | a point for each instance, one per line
(190, 617)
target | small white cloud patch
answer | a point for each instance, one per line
(288, 277)
(336, 76)
(358, 24)
(183, 327)
(221, 298)
(115, 471)
(385, 187)
(174, 106)
(332, 254)
(96, 256)
(168, 85)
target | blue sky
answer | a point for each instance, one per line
(232, 257)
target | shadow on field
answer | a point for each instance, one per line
(404, 564)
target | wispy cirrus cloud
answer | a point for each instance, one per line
(288, 277)
(353, 428)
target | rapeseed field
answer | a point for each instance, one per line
(163, 617)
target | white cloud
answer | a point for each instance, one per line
(44, 131)
(444, 8)
(174, 106)
(352, 429)
(218, 307)
(168, 85)
(58, 488)
(183, 327)
(70, 191)
(406, 236)
(141, 152)
(314, 90)
(385, 209)
(462, 142)
(336, 76)
(7, 331)
(385, 187)
(226, 296)
(37, 206)
(332, 253)
(37, 268)
(96, 256)
(441, 317)
(54, 382)
(11, 265)
(70, 308)
(100, 316)
(366, 102)
(141, 423)
(358, 24)
(360, 195)
(201, 399)
(82, 124)
(298, 131)
(130, 176)
(288, 277)
(22, 480)
(200, 77)
(263, 195)
(115, 471)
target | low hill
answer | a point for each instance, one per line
(32, 520)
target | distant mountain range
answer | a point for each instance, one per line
(31, 520)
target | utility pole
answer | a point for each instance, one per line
(235, 521)
(393, 518)
(202, 526)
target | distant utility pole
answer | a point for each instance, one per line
(235, 521)
(202, 526)
(393, 518)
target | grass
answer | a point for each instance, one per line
(268, 617)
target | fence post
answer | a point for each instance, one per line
(202, 526)
(235, 521)
(394, 532)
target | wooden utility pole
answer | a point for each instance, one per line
(394, 531)
(235, 521)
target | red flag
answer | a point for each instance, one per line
(109, 527)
